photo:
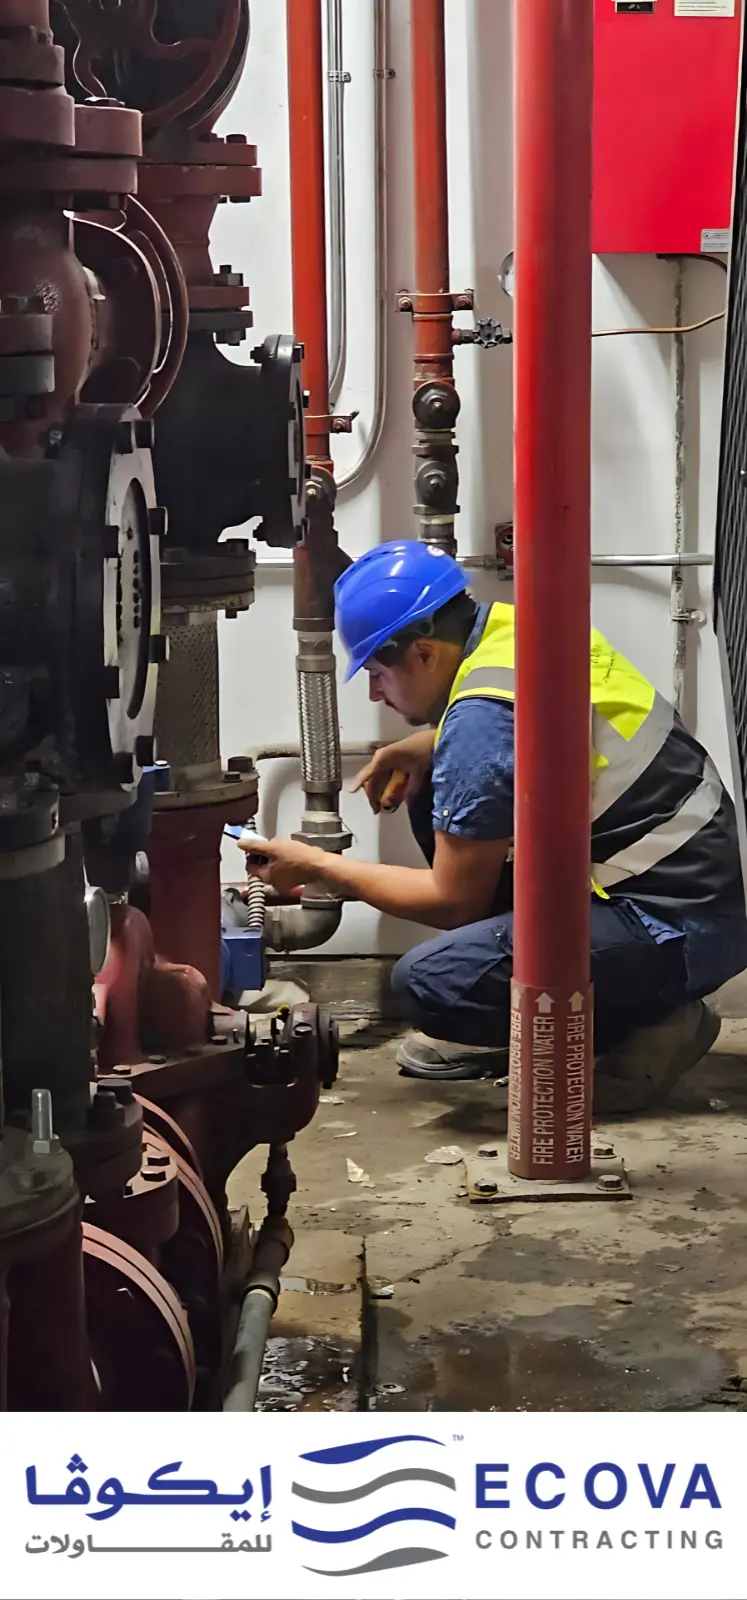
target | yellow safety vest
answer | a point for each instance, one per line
(634, 733)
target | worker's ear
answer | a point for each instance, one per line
(423, 654)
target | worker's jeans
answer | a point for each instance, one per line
(457, 986)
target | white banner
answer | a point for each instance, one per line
(350, 1506)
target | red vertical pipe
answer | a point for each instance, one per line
(308, 228)
(551, 1054)
(432, 314)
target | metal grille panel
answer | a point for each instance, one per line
(187, 703)
(730, 580)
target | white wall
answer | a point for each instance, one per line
(634, 459)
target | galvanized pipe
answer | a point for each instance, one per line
(688, 558)
(551, 1033)
(382, 75)
(677, 600)
(260, 1301)
(337, 78)
(301, 927)
(257, 1312)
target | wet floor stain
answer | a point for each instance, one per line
(471, 1369)
(314, 1286)
(316, 1374)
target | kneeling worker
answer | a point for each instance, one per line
(668, 922)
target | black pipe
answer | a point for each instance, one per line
(46, 982)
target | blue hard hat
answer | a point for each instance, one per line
(387, 590)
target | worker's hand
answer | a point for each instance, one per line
(290, 863)
(396, 772)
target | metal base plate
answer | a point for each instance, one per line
(489, 1181)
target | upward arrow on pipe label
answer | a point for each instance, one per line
(545, 1004)
(576, 1002)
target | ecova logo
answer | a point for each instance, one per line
(373, 1506)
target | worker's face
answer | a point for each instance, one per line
(419, 685)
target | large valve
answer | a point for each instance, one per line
(129, 443)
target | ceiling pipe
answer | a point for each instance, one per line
(551, 1023)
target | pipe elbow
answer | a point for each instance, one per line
(301, 927)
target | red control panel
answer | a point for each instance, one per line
(665, 102)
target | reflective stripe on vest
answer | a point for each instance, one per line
(626, 760)
(695, 813)
(496, 680)
(630, 726)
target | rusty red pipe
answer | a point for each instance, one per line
(432, 309)
(430, 301)
(308, 227)
(318, 560)
(551, 1052)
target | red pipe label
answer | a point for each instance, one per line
(551, 1064)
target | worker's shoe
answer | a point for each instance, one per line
(643, 1070)
(421, 1057)
(639, 1074)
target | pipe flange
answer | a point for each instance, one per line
(106, 127)
(95, 161)
(26, 357)
(280, 441)
(230, 790)
(29, 117)
(329, 1048)
(131, 1306)
(29, 813)
(145, 1213)
(35, 1190)
(328, 835)
(32, 861)
(106, 1153)
(230, 326)
(220, 580)
(211, 170)
(116, 638)
(29, 58)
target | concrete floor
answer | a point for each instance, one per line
(401, 1294)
